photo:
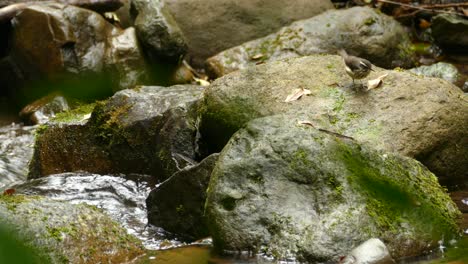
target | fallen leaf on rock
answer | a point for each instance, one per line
(298, 93)
(305, 122)
(374, 83)
(257, 56)
(201, 81)
(85, 117)
(9, 192)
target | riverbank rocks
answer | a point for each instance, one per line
(157, 30)
(148, 130)
(98, 6)
(293, 190)
(447, 31)
(74, 43)
(177, 205)
(441, 70)
(41, 110)
(373, 251)
(222, 24)
(66, 233)
(361, 31)
(421, 117)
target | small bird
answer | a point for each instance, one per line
(356, 67)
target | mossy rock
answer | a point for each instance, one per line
(362, 31)
(292, 190)
(67, 233)
(149, 130)
(421, 117)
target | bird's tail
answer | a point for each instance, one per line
(342, 53)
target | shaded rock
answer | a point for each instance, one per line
(298, 191)
(125, 61)
(41, 110)
(417, 116)
(95, 5)
(441, 70)
(177, 205)
(222, 24)
(450, 32)
(373, 251)
(361, 31)
(157, 30)
(66, 233)
(66, 144)
(74, 43)
(149, 130)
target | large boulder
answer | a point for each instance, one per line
(74, 43)
(149, 130)
(177, 205)
(294, 190)
(157, 30)
(421, 117)
(67, 233)
(222, 24)
(362, 31)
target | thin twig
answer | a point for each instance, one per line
(423, 8)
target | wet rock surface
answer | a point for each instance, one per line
(73, 43)
(222, 24)
(416, 116)
(41, 110)
(157, 30)
(15, 152)
(122, 198)
(441, 70)
(149, 130)
(67, 233)
(293, 190)
(361, 31)
(177, 205)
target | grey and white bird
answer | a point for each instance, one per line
(356, 68)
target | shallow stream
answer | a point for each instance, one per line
(121, 196)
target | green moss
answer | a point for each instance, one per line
(300, 159)
(12, 201)
(59, 233)
(396, 193)
(180, 209)
(40, 130)
(369, 21)
(74, 115)
(107, 125)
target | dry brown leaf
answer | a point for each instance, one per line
(374, 83)
(297, 94)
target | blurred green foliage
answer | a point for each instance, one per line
(13, 250)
